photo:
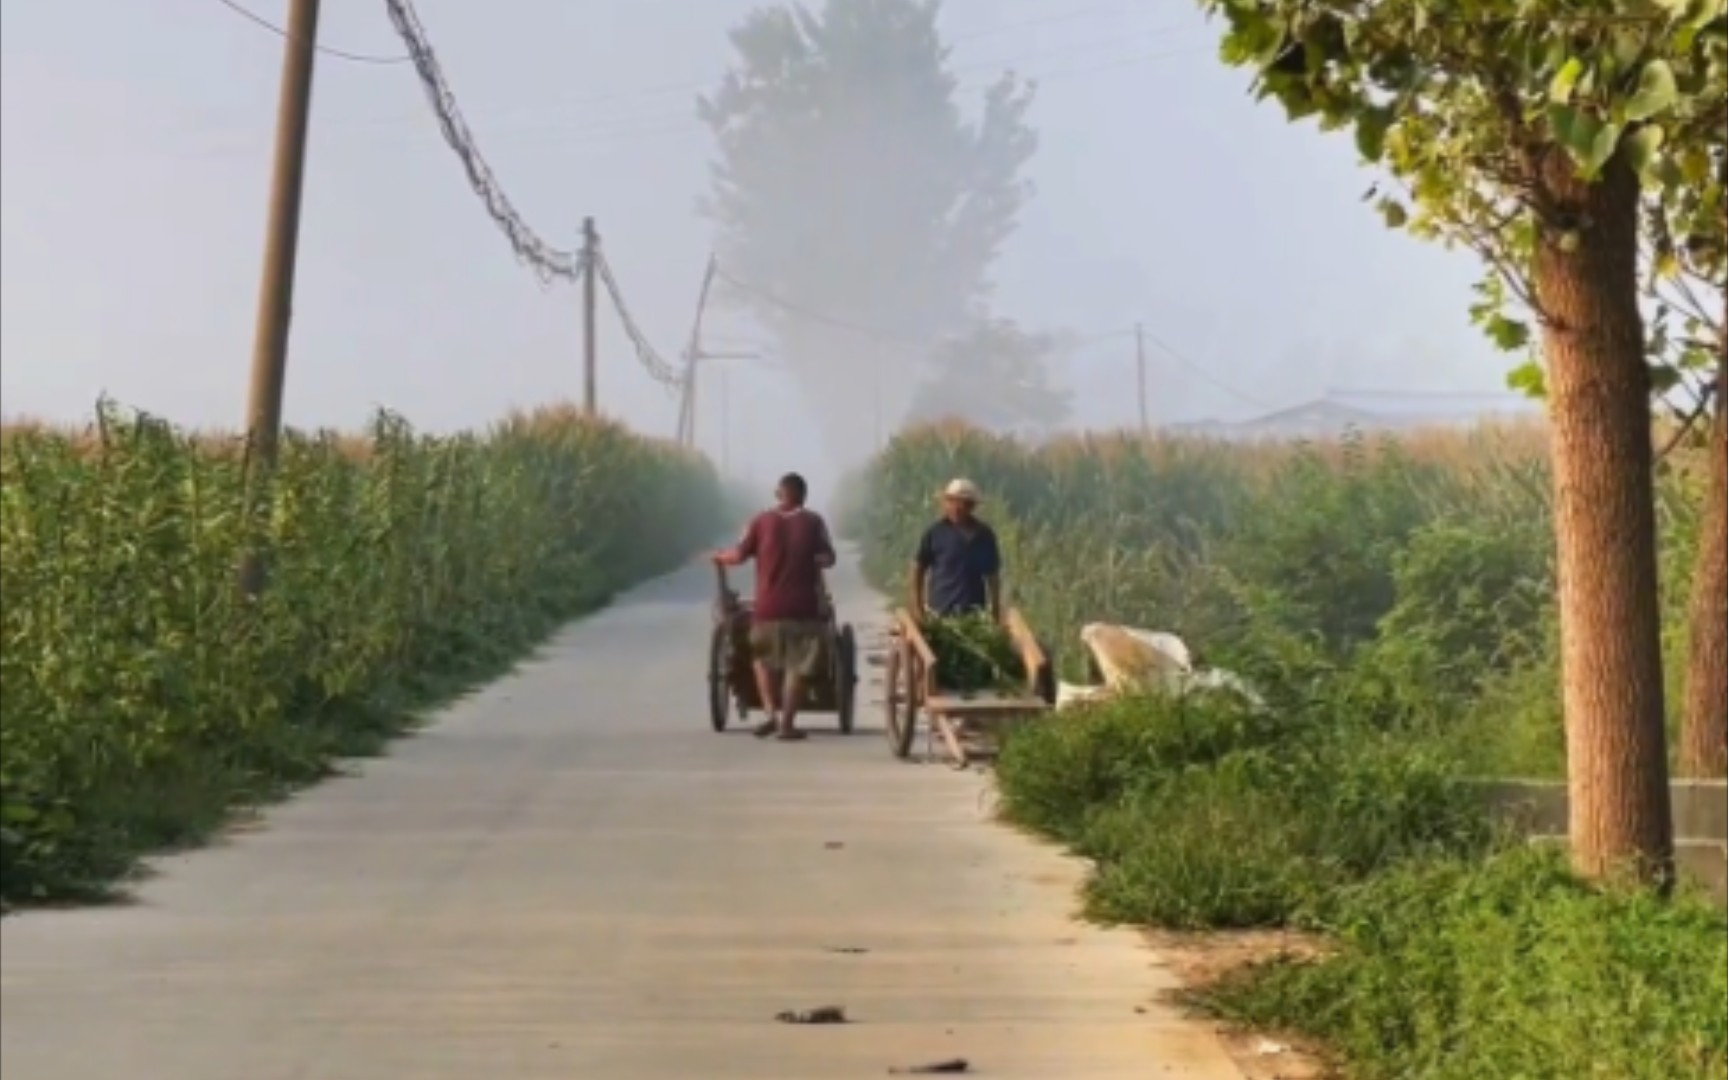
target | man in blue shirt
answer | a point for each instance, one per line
(958, 567)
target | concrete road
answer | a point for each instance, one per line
(570, 876)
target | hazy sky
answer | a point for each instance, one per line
(134, 153)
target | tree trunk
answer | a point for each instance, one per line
(1604, 521)
(1704, 735)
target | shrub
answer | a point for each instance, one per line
(1201, 812)
(1456, 970)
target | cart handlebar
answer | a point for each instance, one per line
(725, 588)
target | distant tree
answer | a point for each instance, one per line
(997, 377)
(1530, 131)
(849, 187)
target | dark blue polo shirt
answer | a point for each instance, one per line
(958, 562)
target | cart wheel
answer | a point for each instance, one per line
(846, 678)
(719, 671)
(901, 712)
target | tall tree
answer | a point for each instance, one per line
(1688, 229)
(1528, 130)
(851, 191)
(1704, 726)
(997, 377)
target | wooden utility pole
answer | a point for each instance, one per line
(1140, 376)
(590, 349)
(276, 285)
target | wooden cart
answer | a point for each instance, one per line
(912, 687)
(732, 675)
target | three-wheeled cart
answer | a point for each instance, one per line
(732, 676)
(912, 687)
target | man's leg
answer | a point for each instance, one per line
(802, 651)
(765, 650)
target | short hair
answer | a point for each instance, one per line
(794, 486)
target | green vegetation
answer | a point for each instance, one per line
(1392, 601)
(143, 699)
(974, 653)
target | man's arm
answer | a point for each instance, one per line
(825, 557)
(993, 575)
(921, 563)
(741, 552)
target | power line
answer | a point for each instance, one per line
(1064, 349)
(340, 54)
(658, 369)
(661, 90)
(611, 132)
(1201, 373)
(608, 133)
(823, 318)
(545, 260)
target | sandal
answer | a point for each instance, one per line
(794, 735)
(766, 728)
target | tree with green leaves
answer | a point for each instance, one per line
(997, 377)
(852, 192)
(1532, 131)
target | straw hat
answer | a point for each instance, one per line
(961, 490)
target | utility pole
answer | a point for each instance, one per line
(1140, 377)
(692, 354)
(276, 285)
(701, 358)
(725, 424)
(876, 398)
(590, 351)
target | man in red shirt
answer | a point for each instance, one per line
(787, 623)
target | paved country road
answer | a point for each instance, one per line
(570, 877)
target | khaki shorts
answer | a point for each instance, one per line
(792, 647)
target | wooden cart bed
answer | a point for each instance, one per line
(913, 686)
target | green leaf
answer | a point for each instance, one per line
(1393, 213)
(1507, 334)
(1529, 379)
(1695, 165)
(1602, 148)
(1573, 128)
(1642, 146)
(1560, 88)
(1371, 126)
(1657, 91)
(1663, 378)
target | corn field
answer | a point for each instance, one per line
(143, 697)
(1430, 554)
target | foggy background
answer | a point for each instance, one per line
(134, 158)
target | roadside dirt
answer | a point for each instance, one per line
(1200, 960)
